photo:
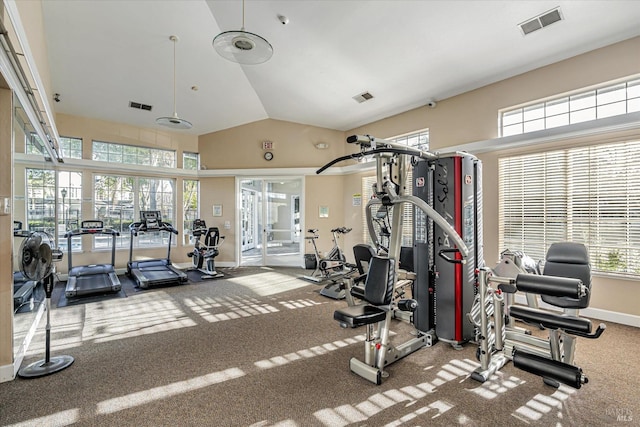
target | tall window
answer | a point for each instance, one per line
(419, 140)
(41, 200)
(119, 153)
(69, 207)
(119, 199)
(189, 207)
(606, 101)
(190, 161)
(588, 195)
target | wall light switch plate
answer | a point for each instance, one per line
(227, 225)
(5, 205)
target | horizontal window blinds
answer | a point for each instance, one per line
(589, 195)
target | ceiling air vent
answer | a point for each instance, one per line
(139, 106)
(365, 96)
(541, 21)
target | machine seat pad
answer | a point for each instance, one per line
(551, 320)
(359, 315)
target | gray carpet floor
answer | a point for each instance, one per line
(260, 348)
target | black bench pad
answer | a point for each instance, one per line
(551, 320)
(359, 315)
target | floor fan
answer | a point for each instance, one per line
(36, 259)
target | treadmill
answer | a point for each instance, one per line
(92, 279)
(153, 272)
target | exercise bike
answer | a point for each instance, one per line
(330, 266)
(204, 252)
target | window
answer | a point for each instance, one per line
(69, 207)
(575, 195)
(34, 145)
(41, 200)
(71, 148)
(189, 207)
(119, 153)
(419, 140)
(119, 199)
(609, 100)
(190, 161)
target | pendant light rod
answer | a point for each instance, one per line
(242, 28)
(174, 121)
(174, 39)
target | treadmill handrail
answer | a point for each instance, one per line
(93, 231)
(83, 231)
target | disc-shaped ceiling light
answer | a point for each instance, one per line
(242, 46)
(174, 121)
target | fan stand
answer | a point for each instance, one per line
(49, 365)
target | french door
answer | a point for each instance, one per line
(271, 221)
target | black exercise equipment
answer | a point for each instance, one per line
(392, 166)
(92, 279)
(205, 251)
(154, 272)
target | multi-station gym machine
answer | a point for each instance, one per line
(446, 253)
(452, 300)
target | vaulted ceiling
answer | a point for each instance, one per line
(104, 54)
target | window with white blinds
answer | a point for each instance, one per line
(589, 195)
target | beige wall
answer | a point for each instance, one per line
(293, 146)
(6, 233)
(220, 191)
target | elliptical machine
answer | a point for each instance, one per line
(204, 252)
(331, 265)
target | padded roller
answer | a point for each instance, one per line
(548, 368)
(549, 285)
(551, 320)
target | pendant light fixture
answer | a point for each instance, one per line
(174, 121)
(243, 47)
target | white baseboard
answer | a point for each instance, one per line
(593, 313)
(7, 373)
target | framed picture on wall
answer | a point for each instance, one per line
(324, 212)
(217, 210)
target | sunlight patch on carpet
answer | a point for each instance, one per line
(268, 283)
(166, 391)
(307, 353)
(59, 419)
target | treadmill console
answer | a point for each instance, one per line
(151, 219)
(199, 227)
(92, 225)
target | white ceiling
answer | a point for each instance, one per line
(103, 54)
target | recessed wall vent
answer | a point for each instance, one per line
(540, 21)
(139, 106)
(365, 96)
